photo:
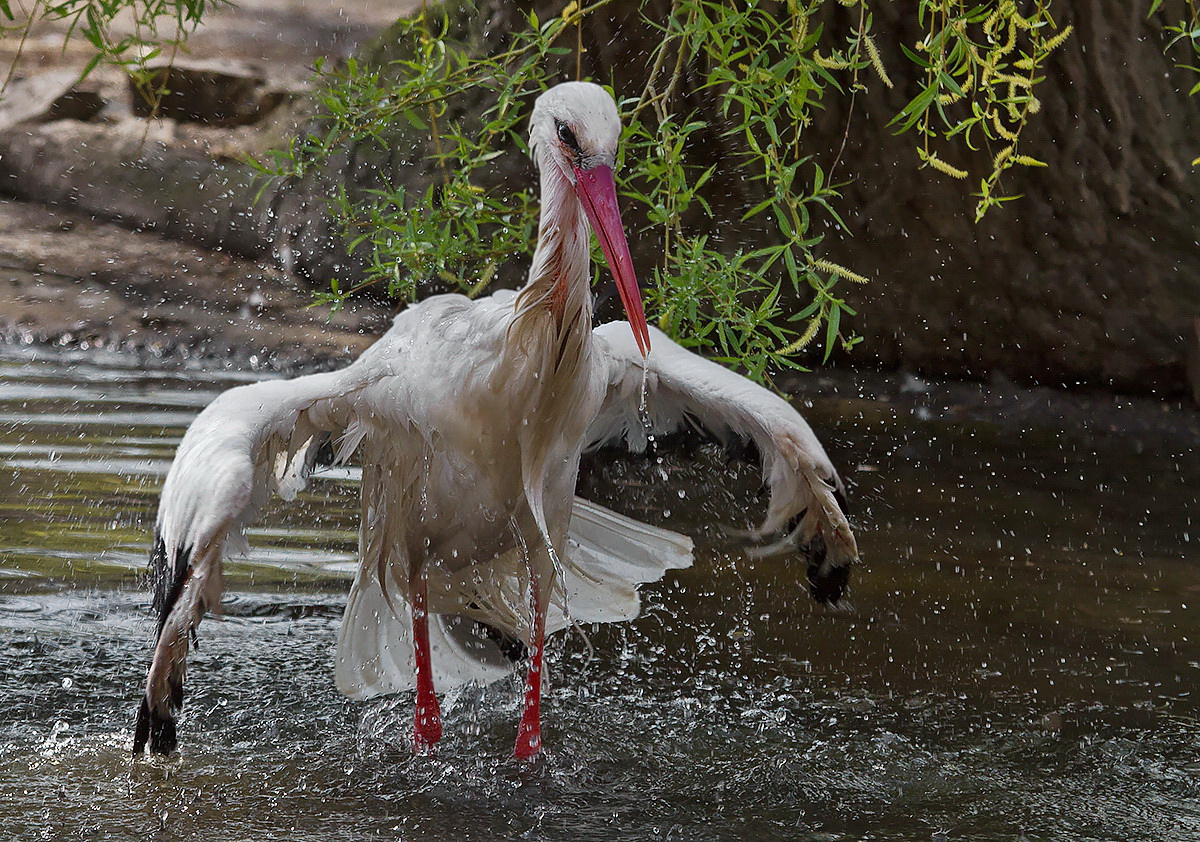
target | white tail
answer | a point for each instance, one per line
(608, 556)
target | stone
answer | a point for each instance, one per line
(53, 95)
(215, 93)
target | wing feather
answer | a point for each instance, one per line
(251, 442)
(675, 390)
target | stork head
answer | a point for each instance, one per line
(575, 128)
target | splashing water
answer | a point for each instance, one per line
(1020, 660)
(643, 412)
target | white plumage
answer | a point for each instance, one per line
(469, 419)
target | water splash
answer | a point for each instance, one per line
(879, 723)
(643, 411)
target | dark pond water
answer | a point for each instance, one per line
(1022, 660)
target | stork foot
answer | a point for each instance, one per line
(427, 725)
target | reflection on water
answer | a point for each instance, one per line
(1021, 660)
(84, 444)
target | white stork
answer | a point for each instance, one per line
(469, 419)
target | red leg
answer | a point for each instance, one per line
(529, 733)
(427, 728)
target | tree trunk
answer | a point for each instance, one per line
(1093, 277)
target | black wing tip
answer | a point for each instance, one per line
(827, 581)
(167, 576)
(159, 571)
(154, 730)
(827, 584)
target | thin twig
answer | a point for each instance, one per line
(20, 49)
(862, 10)
(649, 92)
(433, 123)
(678, 71)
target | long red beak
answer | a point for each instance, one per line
(598, 193)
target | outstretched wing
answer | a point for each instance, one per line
(675, 390)
(251, 442)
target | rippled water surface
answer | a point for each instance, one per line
(1022, 660)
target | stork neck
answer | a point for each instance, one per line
(561, 271)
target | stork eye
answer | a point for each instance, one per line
(567, 136)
